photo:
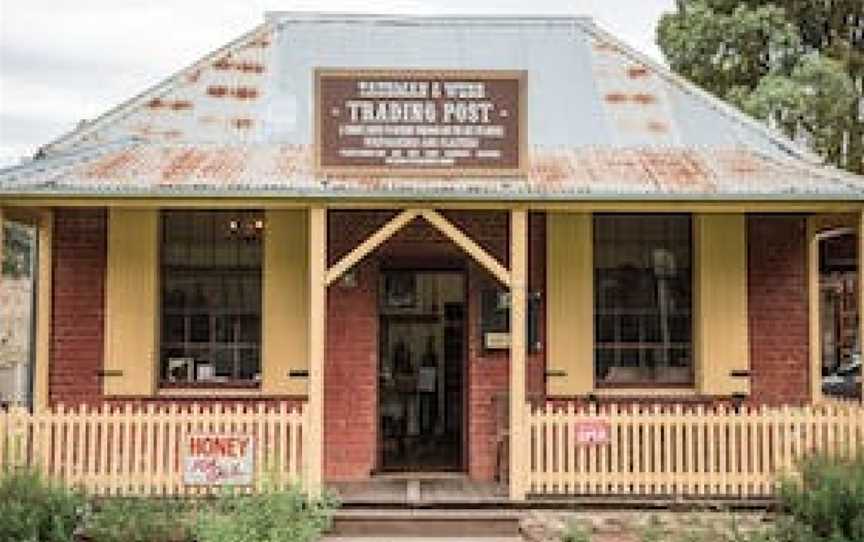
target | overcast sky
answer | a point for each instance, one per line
(62, 60)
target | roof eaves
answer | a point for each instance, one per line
(12, 174)
(49, 189)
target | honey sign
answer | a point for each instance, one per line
(420, 122)
(218, 460)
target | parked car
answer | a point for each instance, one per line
(845, 381)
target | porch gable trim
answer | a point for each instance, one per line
(375, 240)
(436, 220)
(467, 244)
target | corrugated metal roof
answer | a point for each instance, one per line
(602, 119)
(140, 168)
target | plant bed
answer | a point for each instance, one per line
(34, 509)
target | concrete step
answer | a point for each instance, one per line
(426, 523)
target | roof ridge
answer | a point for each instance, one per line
(163, 86)
(719, 105)
(360, 17)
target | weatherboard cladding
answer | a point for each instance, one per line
(602, 120)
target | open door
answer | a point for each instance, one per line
(421, 371)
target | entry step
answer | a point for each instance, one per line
(446, 491)
(427, 524)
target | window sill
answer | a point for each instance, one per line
(209, 389)
(641, 391)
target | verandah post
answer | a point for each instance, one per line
(518, 300)
(44, 296)
(314, 448)
(2, 244)
(861, 292)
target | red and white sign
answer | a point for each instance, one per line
(592, 433)
(218, 460)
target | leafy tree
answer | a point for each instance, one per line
(799, 64)
(17, 250)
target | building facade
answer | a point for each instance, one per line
(413, 226)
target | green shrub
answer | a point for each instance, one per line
(826, 504)
(138, 520)
(575, 532)
(34, 510)
(271, 516)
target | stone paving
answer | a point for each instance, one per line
(422, 539)
(636, 526)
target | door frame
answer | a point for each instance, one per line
(461, 269)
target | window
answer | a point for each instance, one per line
(643, 301)
(211, 298)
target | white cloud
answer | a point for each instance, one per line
(63, 61)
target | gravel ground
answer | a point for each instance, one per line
(607, 526)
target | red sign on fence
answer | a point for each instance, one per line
(218, 460)
(588, 433)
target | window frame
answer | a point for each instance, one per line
(164, 385)
(603, 386)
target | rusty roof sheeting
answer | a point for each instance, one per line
(585, 87)
(604, 121)
(135, 168)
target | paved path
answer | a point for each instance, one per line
(415, 539)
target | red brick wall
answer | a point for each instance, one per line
(350, 411)
(778, 309)
(77, 327)
(79, 256)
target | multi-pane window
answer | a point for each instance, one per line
(643, 300)
(211, 297)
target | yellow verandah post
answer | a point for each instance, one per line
(314, 448)
(43, 309)
(861, 294)
(518, 299)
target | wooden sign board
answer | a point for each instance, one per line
(420, 122)
(218, 460)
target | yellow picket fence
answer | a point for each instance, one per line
(140, 450)
(676, 450)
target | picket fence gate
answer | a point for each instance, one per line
(139, 450)
(676, 450)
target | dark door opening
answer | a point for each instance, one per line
(421, 371)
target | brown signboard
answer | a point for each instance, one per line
(416, 122)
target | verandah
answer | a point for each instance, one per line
(655, 451)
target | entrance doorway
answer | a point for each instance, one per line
(421, 371)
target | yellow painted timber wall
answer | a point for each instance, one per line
(721, 337)
(285, 326)
(131, 316)
(570, 303)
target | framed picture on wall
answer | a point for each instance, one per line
(400, 290)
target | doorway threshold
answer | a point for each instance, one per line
(420, 475)
(426, 489)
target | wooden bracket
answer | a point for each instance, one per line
(436, 220)
(467, 244)
(371, 243)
